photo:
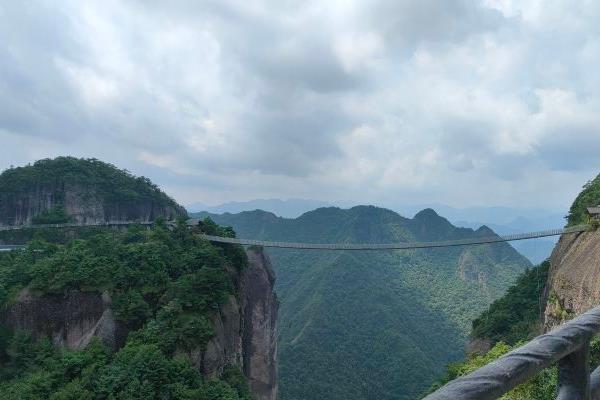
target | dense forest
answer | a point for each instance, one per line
(165, 286)
(366, 325)
(47, 188)
(589, 196)
(111, 182)
(517, 317)
(508, 323)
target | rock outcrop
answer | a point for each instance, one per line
(574, 278)
(246, 330)
(259, 338)
(70, 320)
(80, 190)
(82, 205)
(245, 326)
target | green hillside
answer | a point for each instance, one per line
(165, 286)
(589, 196)
(374, 325)
(68, 189)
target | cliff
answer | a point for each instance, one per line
(574, 278)
(244, 326)
(343, 309)
(67, 189)
(246, 330)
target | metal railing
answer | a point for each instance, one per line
(402, 245)
(568, 345)
(334, 246)
(73, 225)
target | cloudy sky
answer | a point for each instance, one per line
(459, 102)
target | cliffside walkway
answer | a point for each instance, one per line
(328, 246)
(567, 344)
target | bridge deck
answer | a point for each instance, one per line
(329, 246)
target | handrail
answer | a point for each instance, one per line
(568, 345)
(402, 245)
(73, 225)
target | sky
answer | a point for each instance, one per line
(465, 103)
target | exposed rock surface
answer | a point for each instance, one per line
(245, 326)
(80, 190)
(82, 205)
(246, 330)
(259, 339)
(225, 348)
(71, 320)
(574, 278)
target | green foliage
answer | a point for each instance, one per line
(515, 316)
(165, 285)
(393, 319)
(56, 215)
(540, 387)
(515, 319)
(137, 371)
(118, 190)
(589, 196)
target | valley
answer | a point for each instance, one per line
(351, 308)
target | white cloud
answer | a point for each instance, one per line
(463, 102)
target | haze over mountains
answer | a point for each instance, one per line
(502, 220)
(374, 325)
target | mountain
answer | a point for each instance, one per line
(506, 220)
(536, 250)
(79, 190)
(138, 313)
(574, 279)
(290, 208)
(566, 285)
(503, 220)
(366, 325)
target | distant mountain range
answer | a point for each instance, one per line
(374, 325)
(503, 220)
(289, 208)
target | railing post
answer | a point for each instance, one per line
(574, 375)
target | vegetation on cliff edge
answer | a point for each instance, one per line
(89, 177)
(394, 318)
(589, 196)
(515, 316)
(508, 323)
(165, 287)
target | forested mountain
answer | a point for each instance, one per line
(374, 325)
(68, 189)
(543, 297)
(589, 196)
(138, 313)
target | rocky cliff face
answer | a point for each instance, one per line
(574, 279)
(82, 205)
(80, 190)
(70, 320)
(245, 326)
(259, 338)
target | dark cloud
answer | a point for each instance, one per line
(410, 23)
(571, 147)
(266, 98)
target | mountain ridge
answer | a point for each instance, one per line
(395, 317)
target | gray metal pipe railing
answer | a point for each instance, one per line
(567, 345)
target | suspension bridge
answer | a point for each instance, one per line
(322, 246)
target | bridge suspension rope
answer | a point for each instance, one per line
(328, 246)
